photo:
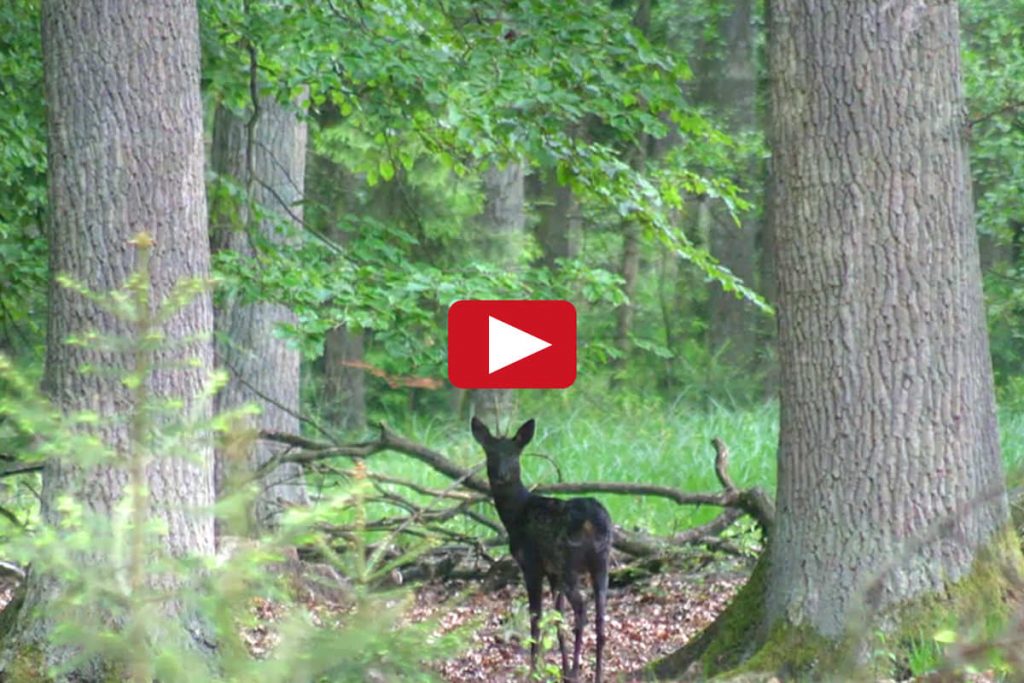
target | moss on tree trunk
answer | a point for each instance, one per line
(739, 644)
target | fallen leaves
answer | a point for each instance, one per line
(644, 622)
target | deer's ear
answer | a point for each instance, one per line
(480, 432)
(525, 433)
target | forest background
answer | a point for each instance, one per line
(369, 163)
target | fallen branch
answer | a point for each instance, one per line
(752, 501)
(376, 477)
(645, 545)
(314, 451)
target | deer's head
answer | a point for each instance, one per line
(503, 451)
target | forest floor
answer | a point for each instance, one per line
(646, 620)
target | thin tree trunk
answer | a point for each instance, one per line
(344, 381)
(890, 478)
(560, 225)
(266, 154)
(630, 267)
(125, 156)
(624, 314)
(502, 233)
(730, 85)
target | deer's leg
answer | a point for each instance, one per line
(600, 579)
(556, 588)
(572, 592)
(535, 595)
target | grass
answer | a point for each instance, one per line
(583, 435)
(645, 442)
(1011, 437)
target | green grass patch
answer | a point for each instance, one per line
(580, 440)
(584, 435)
(1011, 436)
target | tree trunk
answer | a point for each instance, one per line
(125, 125)
(560, 225)
(624, 314)
(328, 187)
(630, 267)
(502, 232)
(344, 380)
(891, 498)
(267, 157)
(504, 216)
(729, 84)
(890, 478)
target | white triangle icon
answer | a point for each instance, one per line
(507, 345)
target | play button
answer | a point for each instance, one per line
(512, 344)
(507, 345)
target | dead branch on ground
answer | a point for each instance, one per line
(314, 453)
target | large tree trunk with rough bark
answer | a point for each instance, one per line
(125, 156)
(502, 231)
(888, 445)
(891, 492)
(265, 154)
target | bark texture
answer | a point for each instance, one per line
(889, 474)
(502, 232)
(125, 155)
(267, 155)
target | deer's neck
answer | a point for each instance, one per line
(509, 499)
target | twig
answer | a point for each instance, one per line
(550, 461)
(418, 488)
(11, 517)
(24, 468)
(712, 528)
(274, 402)
(387, 441)
(11, 569)
(1006, 108)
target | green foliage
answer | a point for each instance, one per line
(994, 80)
(994, 74)
(116, 592)
(918, 657)
(550, 623)
(22, 177)
(414, 102)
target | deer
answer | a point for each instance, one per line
(550, 538)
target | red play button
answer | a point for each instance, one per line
(512, 344)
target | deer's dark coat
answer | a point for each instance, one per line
(550, 538)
